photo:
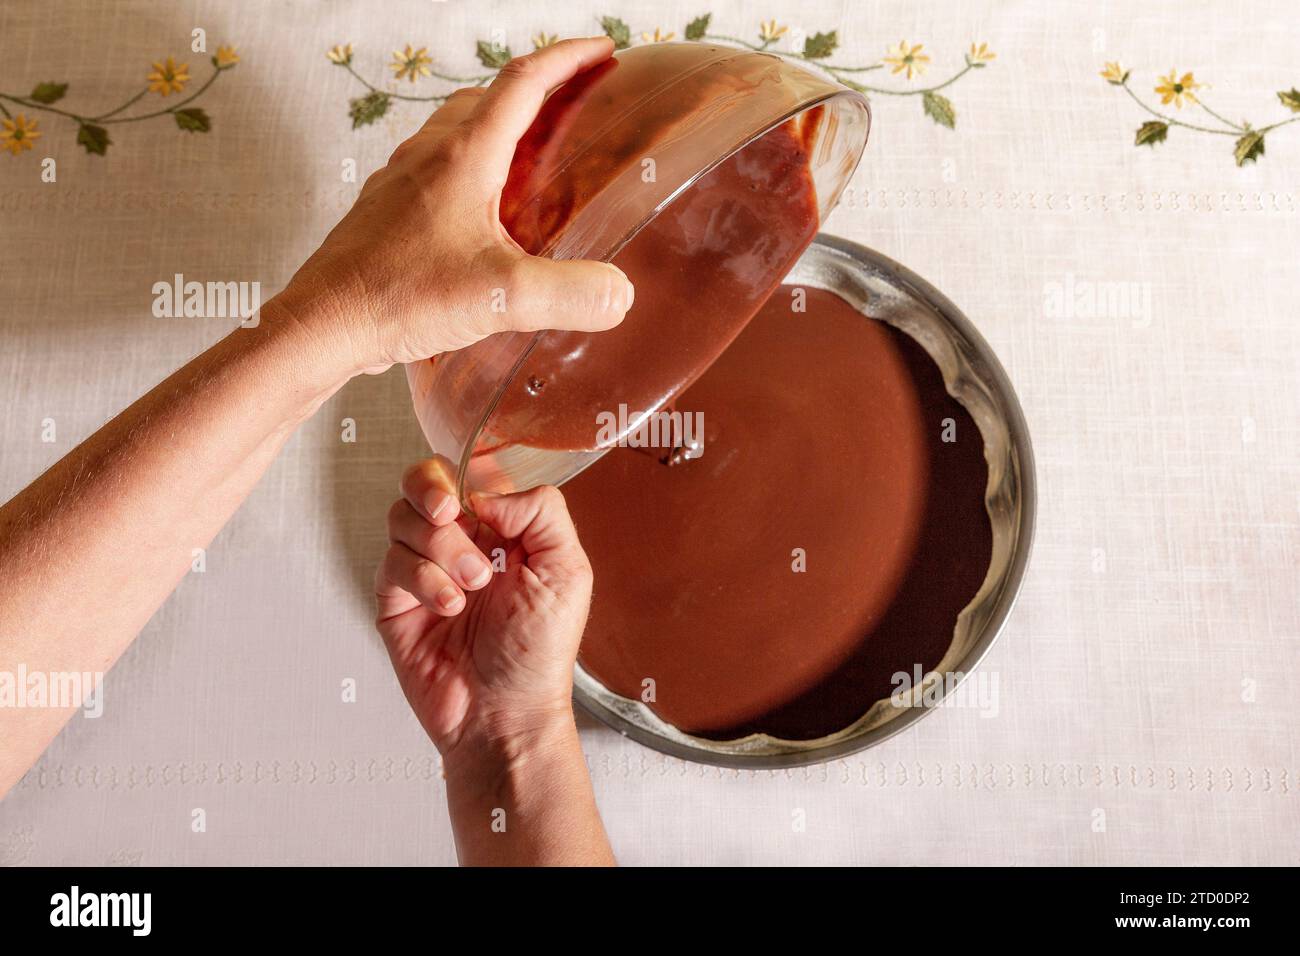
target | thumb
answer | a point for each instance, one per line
(576, 294)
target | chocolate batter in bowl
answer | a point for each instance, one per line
(916, 533)
(700, 170)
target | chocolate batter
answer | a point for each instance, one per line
(701, 270)
(823, 433)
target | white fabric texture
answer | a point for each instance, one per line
(1147, 706)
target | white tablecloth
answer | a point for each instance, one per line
(1147, 709)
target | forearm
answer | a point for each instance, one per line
(93, 547)
(526, 802)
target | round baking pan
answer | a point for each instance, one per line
(888, 292)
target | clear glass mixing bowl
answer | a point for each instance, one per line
(700, 170)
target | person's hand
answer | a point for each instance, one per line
(422, 265)
(485, 658)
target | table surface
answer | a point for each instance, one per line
(1142, 298)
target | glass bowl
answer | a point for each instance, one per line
(703, 172)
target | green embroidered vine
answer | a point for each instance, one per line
(910, 60)
(1249, 140)
(18, 131)
(411, 64)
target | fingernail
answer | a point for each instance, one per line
(449, 598)
(436, 509)
(629, 291)
(474, 571)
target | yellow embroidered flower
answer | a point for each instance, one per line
(657, 37)
(904, 58)
(1114, 73)
(340, 55)
(168, 78)
(543, 40)
(981, 54)
(226, 56)
(17, 134)
(769, 31)
(411, 64)
(1173, 90)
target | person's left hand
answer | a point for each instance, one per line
(485, 659)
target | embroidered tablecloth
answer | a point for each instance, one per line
(1109, 192)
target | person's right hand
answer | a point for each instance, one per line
(421, 264)
(485, 659)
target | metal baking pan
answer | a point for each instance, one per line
(888, 292)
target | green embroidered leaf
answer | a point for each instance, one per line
(940, 109)
(492, 56)
(1290, 99)
(1249, 148)
(193, 120)
(94, 138)
(366, 109)
(821, 45)
(48, 93)
(618, 31)
(696, 29)
(1150, 133)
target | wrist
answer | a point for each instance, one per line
(496, 754)
(525, 798)
(308, 329)
(292, 368)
